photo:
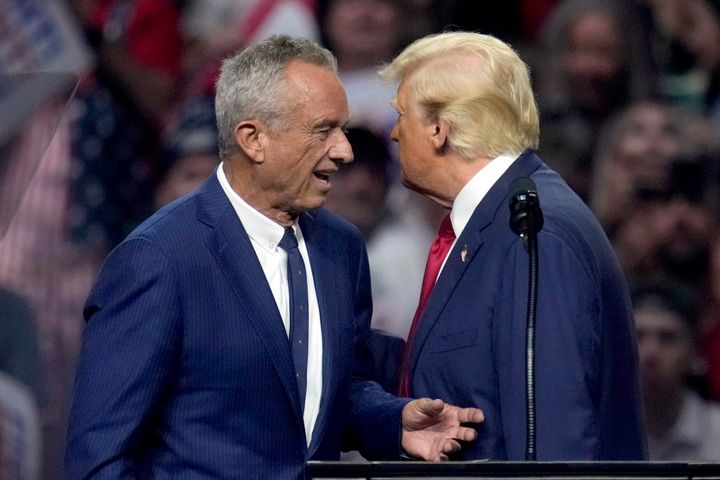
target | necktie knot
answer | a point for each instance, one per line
(288, 241)
(446, 231)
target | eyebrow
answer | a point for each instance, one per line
(331, 124)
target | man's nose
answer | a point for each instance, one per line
(394, 133)
(341, 150)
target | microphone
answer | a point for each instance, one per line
(525, 214)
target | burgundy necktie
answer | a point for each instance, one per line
(436, 257)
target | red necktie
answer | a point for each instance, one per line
(436, 257)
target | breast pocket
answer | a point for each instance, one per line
(448, 342)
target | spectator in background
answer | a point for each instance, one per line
(397, 242)
(215, 29)
(40, 262)
(686, 48)
(670, 227)
(191, 151)
(594, 63)
(363, 34)
(681, 425)
(220, 27)
(363, 185)
(654, 189)
(710, 322)
(637, 148)
(118, 115)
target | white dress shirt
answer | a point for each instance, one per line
(265, 236)
(474, 191)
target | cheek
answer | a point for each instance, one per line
(406, 164)
(304, 165)
(668, 148)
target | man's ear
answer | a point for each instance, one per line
(251, 138)
(438, 129)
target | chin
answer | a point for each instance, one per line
(426, 193)
(312, 204)
(409, 184)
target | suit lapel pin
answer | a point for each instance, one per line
(463, 254)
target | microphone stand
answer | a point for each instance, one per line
(531, 237)
(526, 220)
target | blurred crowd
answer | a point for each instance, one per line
(629, 98)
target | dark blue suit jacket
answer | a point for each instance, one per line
(186, 370)
(469, 348)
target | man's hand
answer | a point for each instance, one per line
(432, 429)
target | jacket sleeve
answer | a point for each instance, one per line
(129, 350)
(566, 353)
(375, 415)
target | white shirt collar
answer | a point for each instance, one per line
(475, 190)
(259, 228)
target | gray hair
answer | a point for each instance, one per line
(250, 84)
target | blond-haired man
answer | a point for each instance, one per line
(466, 128)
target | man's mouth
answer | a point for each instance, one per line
(324, 176)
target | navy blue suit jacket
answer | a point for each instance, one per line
(469, 348)
(186, 370)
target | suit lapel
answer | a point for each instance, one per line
(467, 246)
(237, 258)
(321, 254)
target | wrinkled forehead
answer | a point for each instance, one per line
(316, 87)
(310, 79)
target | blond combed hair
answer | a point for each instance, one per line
(475, 82)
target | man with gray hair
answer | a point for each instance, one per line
(467, 128)
(225, 336)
